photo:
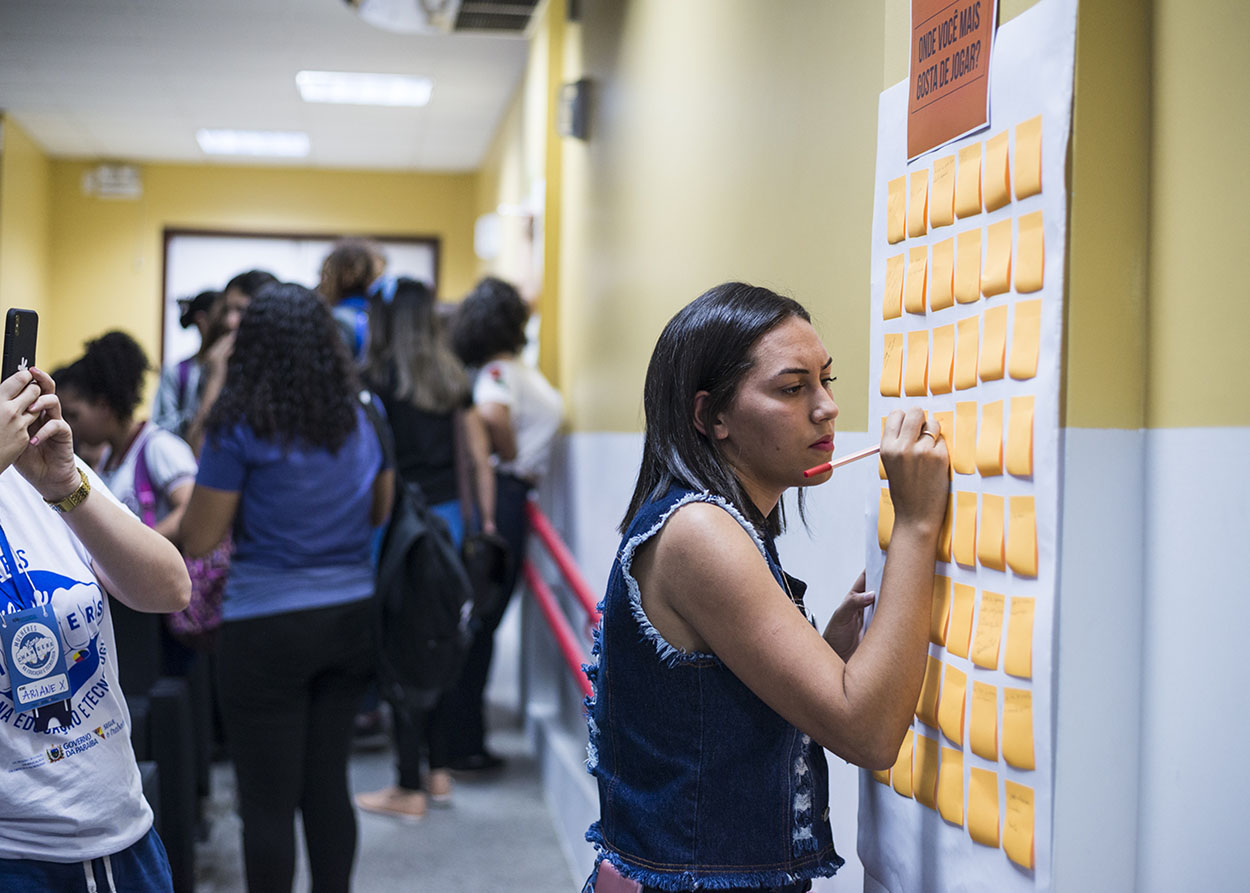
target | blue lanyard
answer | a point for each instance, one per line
(24, 596)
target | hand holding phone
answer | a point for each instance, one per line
(20, 330)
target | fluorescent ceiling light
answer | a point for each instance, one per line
(359, 88)
(268, 143)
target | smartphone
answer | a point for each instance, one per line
(20, 329)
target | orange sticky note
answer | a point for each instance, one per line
(959, 628)
(942, 275)
(967, 349)
(925, 771)
(944, 535)
(983, 806)
(881, 775)
(885, 519)
(1025, 337)
(927, 706)
(942, 195)
(968, 266)
(993, 344)
(896, 210)
(996, 274)
(892, 299)
(1018, 825)
(1029, 157)
(952, 704)
(950, 795)
(918, 206)
(940, 610)
(942, 360)
(892, 365)
(944, 419)
(1020, 437)
(917, 280)
(968, 181)
(996, 175)
(990, 440)
(964, 546)
(1022, 536)
(916, 379)
(963, 451)
(989, 634)
(900, 775)
(983, 725)
(990, 536)
(1031, 256)
(1018, 728)
(1018, 661)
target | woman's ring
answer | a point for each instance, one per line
(925, 431)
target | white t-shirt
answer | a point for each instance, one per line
(169, 461)
(535, 407)
(73, 793)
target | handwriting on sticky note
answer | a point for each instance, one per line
(1018, 824)
(918, 205)
(892, 365)
(988, 638)
(917, 280)
(1018, 661)
(896, 210)
(1018, 728)
(983, 725)
(892, 299)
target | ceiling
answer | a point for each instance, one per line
(132, 80)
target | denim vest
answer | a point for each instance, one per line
(701, 784)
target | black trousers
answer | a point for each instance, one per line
(290, 685)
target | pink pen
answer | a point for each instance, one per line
(829, 466)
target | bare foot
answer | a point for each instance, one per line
(398, 802)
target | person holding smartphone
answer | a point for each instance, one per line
(74, 815)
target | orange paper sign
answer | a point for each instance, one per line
(949, 79)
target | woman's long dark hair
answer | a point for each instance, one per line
(290, 378)
(705, 347)
(408, 353)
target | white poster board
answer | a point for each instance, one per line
(962, 300)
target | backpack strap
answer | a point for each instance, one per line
(184, 375)
(145, 493)
(383, 430)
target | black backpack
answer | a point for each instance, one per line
(423, 601)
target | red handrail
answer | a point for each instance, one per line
(566, 639)
(564, 560)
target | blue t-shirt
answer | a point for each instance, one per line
(301, 532)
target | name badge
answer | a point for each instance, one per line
(36, 661)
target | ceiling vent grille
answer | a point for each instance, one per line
(497, 16)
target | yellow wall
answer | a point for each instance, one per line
(105, 256)
(24, 223)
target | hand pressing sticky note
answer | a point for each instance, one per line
(950, 792)
(1029, 157)
(968, 266)
(990, 440)
(1031, 256)
(892, 365)
(900, 774)
(940, 611)
(968, 181)
(967, 350)
(942, 275)
(1020, 437)
(917, 280)
(983, 725)
(942, 361)
(1018, 661)
(944, 535)
(1018, 728)
(942, 195)
(990, 536)
(963, 453)
(989, 634)
(896, 210)
(885, 519)
(965, 544)
(983, 806)
(996, 273)
(1025, 338)
(918, 205)
(959, 629)
(1018, 825)
(927, 705)
(892, 299)
(996, 175)
(925, 771)
(952, 704)
(916, 379)
(993, 345)
(1022, 536)
(945, 420)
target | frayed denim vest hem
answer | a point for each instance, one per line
(825, 864)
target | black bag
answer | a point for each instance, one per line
(486, 557)
(423, 600)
